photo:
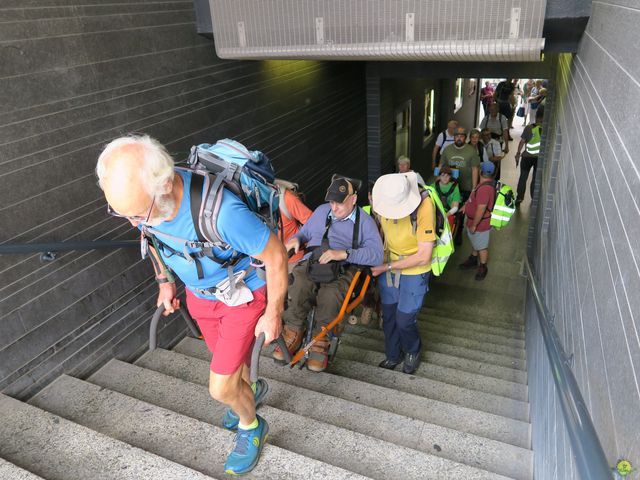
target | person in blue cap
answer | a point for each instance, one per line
(477, 212)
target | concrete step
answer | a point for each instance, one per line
(57, 449)
(424, 387)
(177, 437)
(471, 313)
(458, 298)
(428, 345)
(464, 419)
(437, 335)
(498, 284)
(472, 381)
(338, 446)
(457, 330)
(467, 326)
(457, 446)
(9, 471)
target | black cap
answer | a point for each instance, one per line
(339, 189)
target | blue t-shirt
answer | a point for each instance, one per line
(238, 226)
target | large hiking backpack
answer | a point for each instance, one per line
(503, 207)
(226, 165)
(443, 248)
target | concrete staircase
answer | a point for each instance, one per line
(463, 415)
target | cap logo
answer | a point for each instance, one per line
(342, 189)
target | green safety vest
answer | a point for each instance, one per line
(533, 145)
(443, 248)
(367, 209)
(504, 207)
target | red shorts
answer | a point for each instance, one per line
(229, 332)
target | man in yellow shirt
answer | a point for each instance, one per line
(409, 228)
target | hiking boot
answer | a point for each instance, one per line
(319, 356)
(411, 362)
(230, 420)
(389, 364)
(469, 264)
(293, 340)
(482, 271)
(247, 449)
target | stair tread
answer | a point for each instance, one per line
(10, 471)
(55, 448)
(341, 446)
(459, 331)
(508, 333)
(465, 312)
(460, 378)
(439, 336)
(184, 440)
(405, 383)
(454, 350)
(456, 445)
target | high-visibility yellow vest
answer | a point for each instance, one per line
(367, 209)
(443, 248)
(533, 145)
(504, 207)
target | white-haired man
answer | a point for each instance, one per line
(141, 184)
(404, 166)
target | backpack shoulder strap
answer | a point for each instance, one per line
(356, 230)
(282, 203)
(195, 191)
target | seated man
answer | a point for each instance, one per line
(340, 231)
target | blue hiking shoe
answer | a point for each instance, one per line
(246, 452)
(230, 420)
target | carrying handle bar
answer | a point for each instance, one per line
(255, 355)
(153, 328)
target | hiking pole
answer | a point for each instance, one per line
(153, 328)
(255, 354)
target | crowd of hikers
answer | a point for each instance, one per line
(254, 259)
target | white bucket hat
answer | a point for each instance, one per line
(396, 195)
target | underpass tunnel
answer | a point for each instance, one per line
(77, 74)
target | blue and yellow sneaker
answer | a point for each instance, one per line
(246, 453)
(230, 420)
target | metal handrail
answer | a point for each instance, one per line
(590, 458)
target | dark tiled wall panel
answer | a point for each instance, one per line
(586, 243)
(77, 73)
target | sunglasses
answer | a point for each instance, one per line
(133, 218)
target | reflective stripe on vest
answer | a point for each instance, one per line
(504, 207)
(533, 145)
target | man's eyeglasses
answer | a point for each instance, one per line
(133, 218)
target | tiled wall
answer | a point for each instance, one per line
(75, 74)
(586, 242)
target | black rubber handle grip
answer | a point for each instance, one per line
(255, 355)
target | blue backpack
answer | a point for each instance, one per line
(229, 164)
(226, 165)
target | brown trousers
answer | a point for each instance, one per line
(329, 298)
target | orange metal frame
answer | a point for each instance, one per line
(347, 307)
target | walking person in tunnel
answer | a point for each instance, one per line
(477, 212)
(141, 184)
(530, 141)
(465, 159)
(444, 140)
(338, 233)
(404, 280)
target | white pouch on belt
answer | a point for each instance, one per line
(233, 291)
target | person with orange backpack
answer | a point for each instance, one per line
(293, 214)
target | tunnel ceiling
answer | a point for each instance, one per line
(392, 30)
